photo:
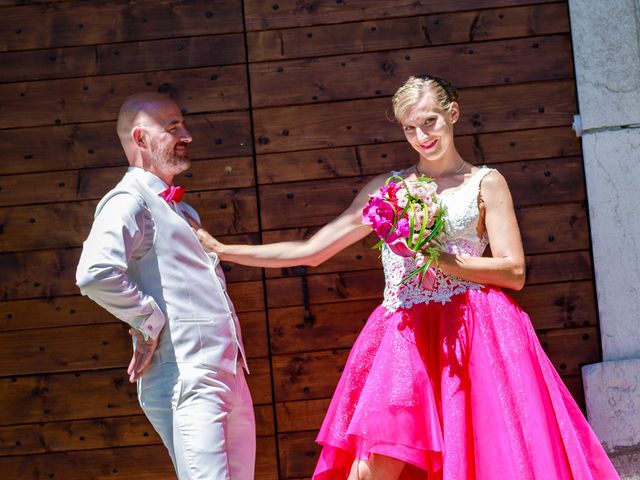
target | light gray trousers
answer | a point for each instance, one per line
(205, 419)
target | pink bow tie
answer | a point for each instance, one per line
(173, 194)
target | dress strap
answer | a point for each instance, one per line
(476, 180)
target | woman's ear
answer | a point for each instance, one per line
(454, 111)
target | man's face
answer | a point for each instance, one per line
(168, 140)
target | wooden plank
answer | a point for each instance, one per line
(298, 454)
(326, 288)
(298, 450)
(65, 349)
(266, 459)
(38, 226)
(265, 420)
(24, 278)
(70, 349)
(417, 31)
(63, 396)
(556, 306)
(144, 463)
(302, 415)
(127, 463)
(561, 180)
(519, 145)
(103, 21)
(487, 109)
(47, 312)
(365, 75)
(570, 348)
(307, 375)
(96, 144)
(547, 181)
(97, 433)
(37, 274)
(491, 148)
(64, 311)
(559, 267)
(247, 296)
(369, 284)
(314, 375)
(359, 256)
(47, 63)
(198, 90)
(261, 15)
(50, 273)
(301, 205)
(70, 185)
(560, 305)
(554, 228)
(297, 204)
(183, 52)
(576, 388)
(254, 333)
(190, 52)
(332, 324)
(128, 431)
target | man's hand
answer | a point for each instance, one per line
(141, 356)
(210, 244)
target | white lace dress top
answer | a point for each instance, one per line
(461, 238)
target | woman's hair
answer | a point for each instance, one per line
(415, 88)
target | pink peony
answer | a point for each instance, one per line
(401, 231)
(379, 215)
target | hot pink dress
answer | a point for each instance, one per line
(454, 382)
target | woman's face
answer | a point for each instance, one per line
(429, 128)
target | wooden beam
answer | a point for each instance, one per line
(103, 21)
(291, 13)
(92, 145)
(50, 273)
(91, 99)
(105, 59)
(92, 394)
(357, 122)
(39, 226)
(417, 31)
(469, 65)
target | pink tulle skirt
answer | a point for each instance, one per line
(458, 391)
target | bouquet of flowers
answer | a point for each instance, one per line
(409, 217)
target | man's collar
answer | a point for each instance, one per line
(155, 183)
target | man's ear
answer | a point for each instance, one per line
(139, 137)
(454, 111)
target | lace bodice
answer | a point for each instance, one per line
(461, 237)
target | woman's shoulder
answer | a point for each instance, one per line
(483, 171)
(489, 176)
(492, 183)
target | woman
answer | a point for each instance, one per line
(450, 379)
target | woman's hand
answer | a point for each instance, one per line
(210, 244)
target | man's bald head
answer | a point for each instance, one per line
(138, 110)
(153, 134)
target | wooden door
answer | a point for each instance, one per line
(288, 103)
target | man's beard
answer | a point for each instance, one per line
(166, 156)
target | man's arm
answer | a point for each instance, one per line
(118, 234)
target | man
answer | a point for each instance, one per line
(143, 263)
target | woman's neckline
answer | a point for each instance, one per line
(467, 181)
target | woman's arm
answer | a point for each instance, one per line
(338, 234)
(506, 266)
